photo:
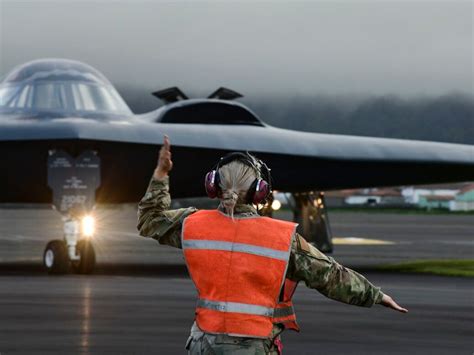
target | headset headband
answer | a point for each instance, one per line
(245, 158)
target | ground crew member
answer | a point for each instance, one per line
(245, 267)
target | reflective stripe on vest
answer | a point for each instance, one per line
(238, 267)
(246, 308)
(237, 247)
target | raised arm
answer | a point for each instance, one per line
(155, 219)
(165, 164)
(333, 280)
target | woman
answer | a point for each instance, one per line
(245, 267)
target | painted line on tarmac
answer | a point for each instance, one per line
(360, 241)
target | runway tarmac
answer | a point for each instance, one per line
(139, 302)
(25, 232)
(152, 315)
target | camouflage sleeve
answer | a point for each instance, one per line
(156, 220)
(333, 280)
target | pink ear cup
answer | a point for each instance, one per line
(209, 184)
(261, 191)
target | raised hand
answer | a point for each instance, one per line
(164, 164)
(387, 301)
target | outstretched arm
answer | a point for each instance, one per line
(333, 280)
(155, 219)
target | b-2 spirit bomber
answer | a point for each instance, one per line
(68, 139)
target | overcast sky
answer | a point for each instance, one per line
(406, 48)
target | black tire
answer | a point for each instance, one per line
(86, 252)
(55, 257)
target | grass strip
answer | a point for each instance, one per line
(409, 211)
(446, 267)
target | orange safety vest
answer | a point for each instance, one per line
(238, 267)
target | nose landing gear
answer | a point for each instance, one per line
(74, 252)
(73, 182)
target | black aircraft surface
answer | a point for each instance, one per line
(68, 138)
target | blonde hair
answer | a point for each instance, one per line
(235, 179)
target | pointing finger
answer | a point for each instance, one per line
(166, 142)
(397, 307)
(401, 309)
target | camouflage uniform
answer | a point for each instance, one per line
(306, 264)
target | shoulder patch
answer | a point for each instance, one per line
(303, 244)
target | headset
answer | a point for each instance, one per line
(259, 190)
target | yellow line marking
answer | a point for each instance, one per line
(360, 241)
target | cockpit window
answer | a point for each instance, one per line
(47, 96)
(71, 98)
(5, 95)
(60, 88)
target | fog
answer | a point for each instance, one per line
(352, 48)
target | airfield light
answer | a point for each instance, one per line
(88, 226)
(276, 205)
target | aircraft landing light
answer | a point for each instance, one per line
(360, 241)
(88, 226)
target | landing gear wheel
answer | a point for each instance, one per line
(86, 263)
(55, 257)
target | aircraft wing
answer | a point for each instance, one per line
(52, 105)
(300, 161)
